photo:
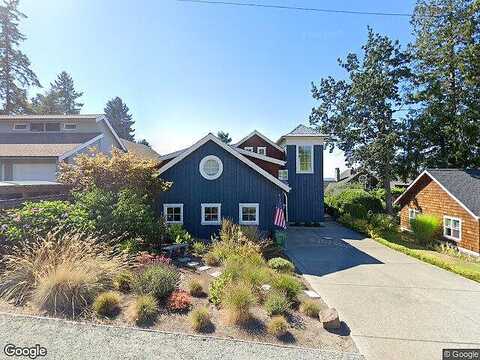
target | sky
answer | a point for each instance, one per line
(187, 69)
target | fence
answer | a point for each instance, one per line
(14, 194)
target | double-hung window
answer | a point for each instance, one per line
(262, 150)
(452, 228)
(173, 213)
(248, 214)
(305, 159)
(211, 214)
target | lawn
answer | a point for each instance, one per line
(465, 266)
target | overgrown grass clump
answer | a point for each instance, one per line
(195, 288)
(276, 303)
(123, 281)
(61, 272)
(310, 308)
(200, 319)
(426, 228)
(237, 300)
(288, 285)
(277, 326)
(281, 264)
(144, 310)
(107, 304)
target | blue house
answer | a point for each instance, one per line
(244, 182)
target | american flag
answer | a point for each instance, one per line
(279, 217)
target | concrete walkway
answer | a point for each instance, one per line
(397, 307)
(72, 340)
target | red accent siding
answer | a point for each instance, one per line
(256, 141)
(269, 167)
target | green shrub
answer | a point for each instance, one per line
(237, 299)
(211, 259)
(144, 310)
(383, 223)
(200, 319)
(276, 303)
(356, 202)
(157, 280)
(107, 304)
(287, 284)
(123, 281)
(216, 288)
(195, 288)
(281, 265)
(199, 248)
(178, 234)
(310, 308)
(426, 228)
(277, 326)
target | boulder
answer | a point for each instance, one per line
(329, 318)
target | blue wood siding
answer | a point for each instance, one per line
(305, 199)
(238, 183)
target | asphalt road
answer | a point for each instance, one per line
(397, 307)
(71, 340)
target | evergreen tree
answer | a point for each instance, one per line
(446, 94)
(15, 72)
(47, 104)
(117, 113)
(66, 93)
(358, 113)
(144, 142)
(224, 136)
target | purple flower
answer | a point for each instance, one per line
(4, 228)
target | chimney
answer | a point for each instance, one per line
(337, 174)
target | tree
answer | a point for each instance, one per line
(358, 113)
(15, 72)
(47, 104)
(64, 87)
(224, 136)
(446, 91)
(144, 142)
(117, 113)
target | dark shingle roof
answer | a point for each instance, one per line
(41, 144)
(463, 184)
(303, 130)
(142, 151)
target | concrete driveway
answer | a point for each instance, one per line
(396, 306)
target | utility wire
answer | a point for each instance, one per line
(297, 8)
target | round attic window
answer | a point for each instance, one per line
(211, 167)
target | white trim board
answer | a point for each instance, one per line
(257, 213)
(229, 149)
(263, 137)
(425, 172)
(80, 147)
(202, 219)
(115, 135)
(260, 156)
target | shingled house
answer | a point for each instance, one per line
(454, 196)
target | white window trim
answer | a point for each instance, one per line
(417, 212)
(65, 126)
(285, 176)
(220, 167)
(241, 206)
(248, 148)
(445, 217)
(217, 205)
(166, 206)
(311, 161)
(15, 124)
(264, 148)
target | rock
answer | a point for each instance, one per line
(329, 318)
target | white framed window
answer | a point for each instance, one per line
(412, 214)
(248, 148)
(69, 126)
(283, 175)
(211, 167)
(452, 228)
(173, 213)
(248, 214)
(262, 150)
(19, 126)
(211, 214)
(305, 159)
(37, 127)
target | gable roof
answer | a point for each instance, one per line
(229, 149)
(302, 130)
(263, 137)
(462, 185)
(140, 150)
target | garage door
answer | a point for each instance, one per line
(29, 172)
